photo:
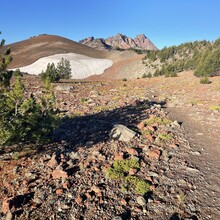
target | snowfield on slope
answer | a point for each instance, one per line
(81, 66)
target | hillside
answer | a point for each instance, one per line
(28, 51)
(200, 56)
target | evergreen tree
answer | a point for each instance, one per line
(51, 73)
(5, 60)
(64, 69)
(26, 119)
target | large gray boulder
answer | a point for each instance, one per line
(122, 133)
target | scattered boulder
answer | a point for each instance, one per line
(122, 133)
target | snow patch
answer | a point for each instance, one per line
(81, 66)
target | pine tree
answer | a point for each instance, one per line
(51, 73)
(64, 69)
(5, 60)
(26, 119)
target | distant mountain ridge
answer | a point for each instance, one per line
(120, 41)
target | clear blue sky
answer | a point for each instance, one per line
(165, 22)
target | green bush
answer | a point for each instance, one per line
(51, 73)
(121, 167)
(120, 171)
(54, 74)
(205, 80)
(25, 120)
(136, 184)
(149, 75)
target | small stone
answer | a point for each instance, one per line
(6, 205)
(59, 191)
(117, 218)
(132, 151)
(66, 185)
(96, 189)
(148, 178)
(154, 154)
(88, 195)
(146, 148)
(58, 173)
(195, 153)
(153, 174)
(141, 201)
(52, 162)
(194, 170)
(136, 209)
(175, 124)
(141, 125)
(119, 156)
(74, 155)
(123, 202)
(150, 138)
(132, 171)
(79, 200)
(151, 128)
(173, 145)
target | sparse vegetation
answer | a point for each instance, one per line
(205, 80)
(137, 184)
(120, 171)
(145, 75)
(83, 100)
(160, 121)
(215, 108)
(164, 137)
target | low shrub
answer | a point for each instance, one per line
(205, 80)
(119, 171)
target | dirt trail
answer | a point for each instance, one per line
(190, 102)
(204, 141)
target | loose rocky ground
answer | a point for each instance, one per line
(91, 172)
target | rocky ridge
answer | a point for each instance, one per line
(120, 41)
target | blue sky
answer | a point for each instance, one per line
(165, 22)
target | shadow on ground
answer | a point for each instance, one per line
(91, 129)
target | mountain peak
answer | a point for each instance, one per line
(143, 42)
(120, 41)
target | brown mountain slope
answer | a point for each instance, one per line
(28, 51)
